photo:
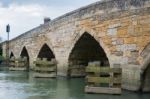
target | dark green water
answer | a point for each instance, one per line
(20, 85)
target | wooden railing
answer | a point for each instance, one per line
(44, 68)
(103, 80)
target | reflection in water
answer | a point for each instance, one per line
(21, 85)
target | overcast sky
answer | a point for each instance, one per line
(23, 15)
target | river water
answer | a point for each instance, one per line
(21, 85)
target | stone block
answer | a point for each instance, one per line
(142, 41)
(112, 32)
(130, 40)
(145, 21)
(107, 41)
(112, 49)
(135, 53)
(117, 41)
(122, 32)
(144, 28)
(133, 60)
(114, 26)
(127, 53)
(131, 79)
(126, 47)
(138, 29)
(118, 60)
(101, 34)
(131, 30)
(134, 22)
(145, 51)
(118, 53)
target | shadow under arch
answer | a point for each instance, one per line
(24, 53)
(46, 52)
(87, 49)
(11, 55)
(1, 50)
(145, 74)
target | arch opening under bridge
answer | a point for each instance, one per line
(46, 52)
(24, 53)
(86, 49)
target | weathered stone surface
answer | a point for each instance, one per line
(130, 40)
(119, 60)
(131, 77)
(122, 32)
(114, 26)
(144, 21)
(126, 47)
(117, 41)
(146, 51)
(112, 32)
(131, 30)
(133, 60)
(118, 53)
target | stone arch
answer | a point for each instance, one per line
(24, 53)
(145, 74)
(11, 55)
(145, 54)
(96, 37)
(46, 52)
(86, 49)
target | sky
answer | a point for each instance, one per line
(24, 15)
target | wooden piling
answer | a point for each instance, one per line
(44, 68)
(18, 64)
(103, 79)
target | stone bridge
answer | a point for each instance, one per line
(115, 32)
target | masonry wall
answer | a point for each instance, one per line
(122, 28)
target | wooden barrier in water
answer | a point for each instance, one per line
(18, 64)
(77, 71)
(44, 68)
(103, 80)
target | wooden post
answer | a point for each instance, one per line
(103, 80)
(44, 68)
(18, 64)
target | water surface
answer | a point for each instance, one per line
(21, 85)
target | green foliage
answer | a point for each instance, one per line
(1, 58)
